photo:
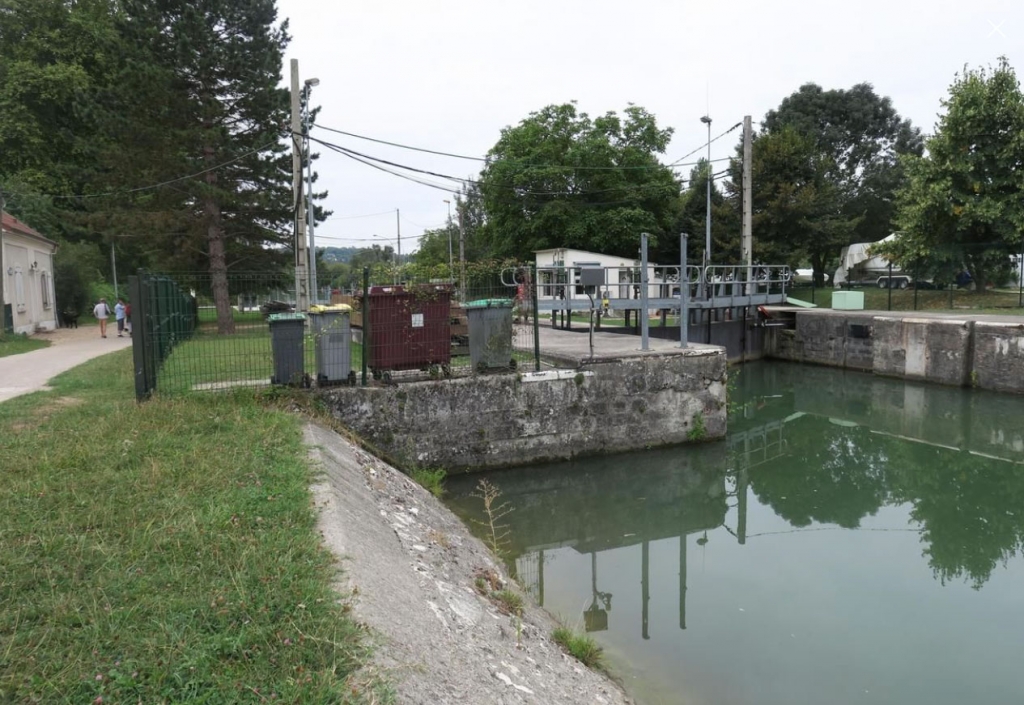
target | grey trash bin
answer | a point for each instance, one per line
(490, 334)
(287, 331)
(332, 331)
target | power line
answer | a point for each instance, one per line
(709, 142)
(497, 161)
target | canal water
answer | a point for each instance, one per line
(853, 540)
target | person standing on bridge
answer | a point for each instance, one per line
(102, 312)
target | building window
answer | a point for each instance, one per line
(44, 282)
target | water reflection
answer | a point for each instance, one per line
(824, 474)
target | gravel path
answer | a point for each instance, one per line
(412, 566)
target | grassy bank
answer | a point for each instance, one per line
(875, 299)
(16, 344)
(163, 552)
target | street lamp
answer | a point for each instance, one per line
(451, 261)
(707, 235)
(309, 84)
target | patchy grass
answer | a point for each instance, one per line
(163, 552)
(1000, 302)
(14, 344)
(508, 602)
(432, 479)
(243, 359)
(580, 646)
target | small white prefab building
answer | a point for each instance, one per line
(558, 275)
(27, 276)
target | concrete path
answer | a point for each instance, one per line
(29, 372)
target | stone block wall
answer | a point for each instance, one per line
(999, 356)
(489, 421)
(932, 349)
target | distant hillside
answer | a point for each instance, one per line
(339, 254)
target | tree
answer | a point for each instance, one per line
(855, 139)
(560, 179)
(692, 219)
(962, 205)
(469, 211)
(798, 210)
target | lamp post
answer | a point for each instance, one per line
(707, 235)
(307, 88)
(451, 261)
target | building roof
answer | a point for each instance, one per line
(13, 225)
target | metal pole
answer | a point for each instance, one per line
(315, 286)
(366, 319)
(113, 266)
(301, 257)
(684, 294)
(644, 323)
(536, 320)
(398, 230)
(707, 236)
(3, 273)
(748, 202)
(889, 284)
(462, 258)
(1020, 273)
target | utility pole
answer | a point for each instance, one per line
(451, 264)
(306, 89)
(462, 257)
(748, 225)
(301, 253)
(398, 230)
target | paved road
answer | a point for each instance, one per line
(29, 372)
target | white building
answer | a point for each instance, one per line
(558, 275)
(27, 276)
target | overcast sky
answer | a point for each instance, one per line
(449, 75)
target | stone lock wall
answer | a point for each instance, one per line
(959, 352)
(488, 421)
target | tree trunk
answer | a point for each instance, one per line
(818, 277)
(215, 243)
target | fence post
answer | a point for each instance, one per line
(889, 285)
(536, 321)
(366, 319)
(135, 286)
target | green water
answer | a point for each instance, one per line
(854, 540)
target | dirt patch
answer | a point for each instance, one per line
(41, 414)
(424, 586)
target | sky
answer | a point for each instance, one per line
(450, 75)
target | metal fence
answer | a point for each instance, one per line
(186, 340)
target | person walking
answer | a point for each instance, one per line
(128, 318)
(119, 316)
(102, 313)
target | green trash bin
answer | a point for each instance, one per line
(287, 331)
(332, 331)
(490, 334)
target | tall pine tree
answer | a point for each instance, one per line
(228, 121)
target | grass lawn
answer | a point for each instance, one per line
(17, 344)
(1002, 302)
(163, 552)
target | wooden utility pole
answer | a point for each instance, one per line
(748, 228)
(301, 251)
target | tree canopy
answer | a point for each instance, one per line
(562, 179)
(961, 206)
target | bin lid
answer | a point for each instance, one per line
(330, 308)
(489, 303)
(275, 317)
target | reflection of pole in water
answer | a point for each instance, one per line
(741, 506)
(682, 580)
(644, 584)
(540, 576)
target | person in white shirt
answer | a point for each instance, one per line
(119, 315)
(102, 313)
